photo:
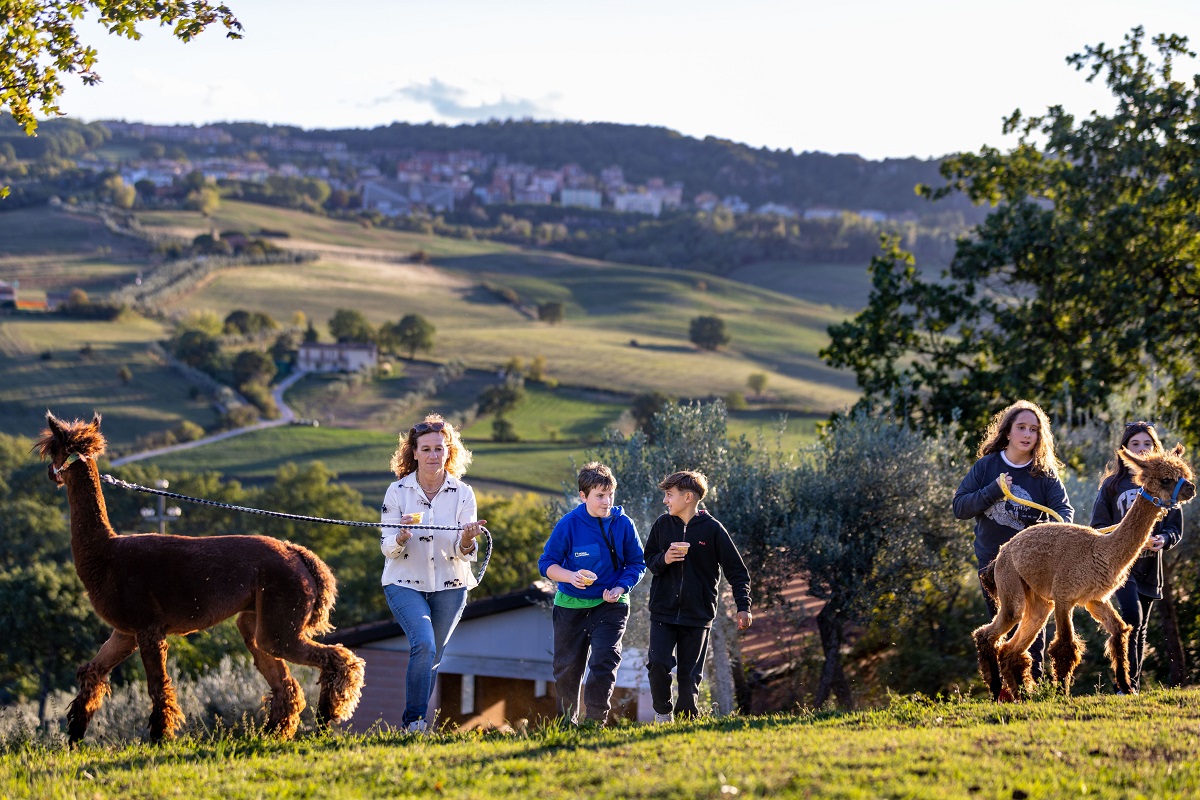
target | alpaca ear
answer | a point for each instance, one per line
(1178, 451)
(1131, 461)
(96, 420)
(53, 424)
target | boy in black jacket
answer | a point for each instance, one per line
(685, 552)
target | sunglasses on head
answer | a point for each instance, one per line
(427, 427)
(1138, 424)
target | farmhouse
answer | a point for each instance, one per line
(340, 357)
(497, 667)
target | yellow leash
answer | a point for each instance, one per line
(1008, 493)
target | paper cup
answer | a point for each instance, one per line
(588, 576)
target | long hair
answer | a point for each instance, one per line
(458, 457)
(1116, 470)
(996, 438)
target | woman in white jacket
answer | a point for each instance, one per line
(427, 571)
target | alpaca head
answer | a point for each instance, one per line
(60, 440)
(1160, 472)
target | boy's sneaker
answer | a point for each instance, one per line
(662, 718)
(418, 726)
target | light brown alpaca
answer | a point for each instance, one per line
(151, 585)
(1054, 566)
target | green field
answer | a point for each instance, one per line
(556, 429)
(72, 384)
(46, 231)
(306, 230)
(360, 458)
(845, 286)
(1097, 746)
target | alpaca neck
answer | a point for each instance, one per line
(1127, 541)
(91, 532)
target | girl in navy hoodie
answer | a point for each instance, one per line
(1145, 584)
(595, 556)
(1017, 451)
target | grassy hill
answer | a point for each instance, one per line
(1098, 746)
(625, 332)
(607, 307)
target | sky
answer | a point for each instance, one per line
(880, 78)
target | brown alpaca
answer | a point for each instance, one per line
(149, 585)
(1054, 566)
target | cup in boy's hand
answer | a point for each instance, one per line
(681, 548)
(586, 576)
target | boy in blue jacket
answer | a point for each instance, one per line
(595, 556)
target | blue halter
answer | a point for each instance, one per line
(1174, 496)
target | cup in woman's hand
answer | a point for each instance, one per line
(586, 576)
(415, 517)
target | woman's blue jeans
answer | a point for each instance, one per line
(428, 619)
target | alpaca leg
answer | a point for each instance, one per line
(341, 671)
(1016, 664)
(286, 698)
(341, 677)
(93, 683)
(165, 716)
(1117, 646)
(1066, 650)
(985, 638)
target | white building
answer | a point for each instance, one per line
(340, 357)
(822, 212)
(671, 196)
(400, 197)
(776, 209)
(638, 203)
(582, 198)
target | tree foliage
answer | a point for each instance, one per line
(351, 325)
(41, 44)
(644, 407)
(708, 332)
(413, 332)
(520, 523)
(502, 398)
(550, 311)
(757, 382)
(51, 629)
(872, 530)
(1080, 283)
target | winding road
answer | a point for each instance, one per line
(286, 416)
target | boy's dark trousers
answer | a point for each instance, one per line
(575, 629)
(686, 646)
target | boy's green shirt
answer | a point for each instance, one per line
(567, 601)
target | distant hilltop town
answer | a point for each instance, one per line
(397, 181)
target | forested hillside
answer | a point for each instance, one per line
(710, 164)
